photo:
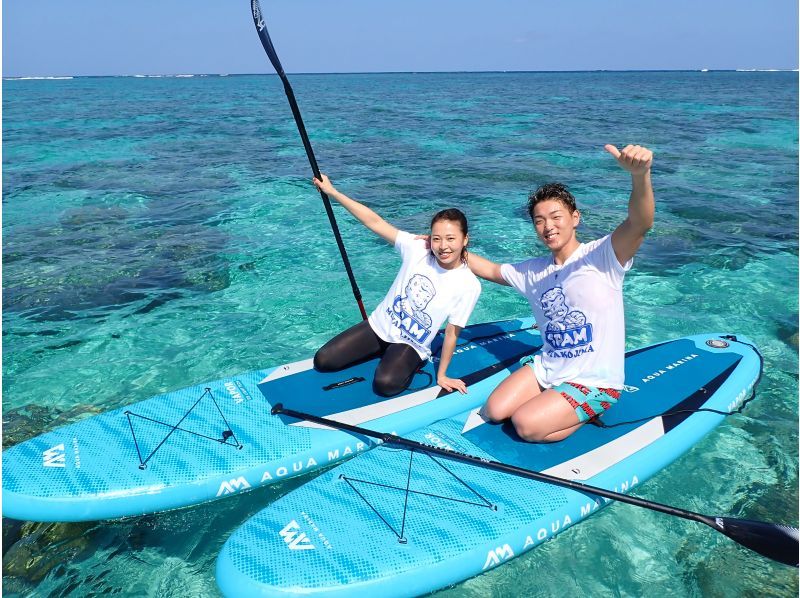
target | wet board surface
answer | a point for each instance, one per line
(218, 438)
(392, 522)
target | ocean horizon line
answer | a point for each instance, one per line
(464, 72)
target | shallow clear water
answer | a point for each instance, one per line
(162, 232)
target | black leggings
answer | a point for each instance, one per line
(398, 362)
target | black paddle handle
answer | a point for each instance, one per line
(266, 42)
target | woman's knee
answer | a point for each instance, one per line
(354, 345)
(396, 370)
(324, 360)
(387, 385)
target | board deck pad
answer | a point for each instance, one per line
(392, 522)
(210, 440)
(642, 398)
(329, 393)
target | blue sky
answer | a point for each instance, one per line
(113, 37)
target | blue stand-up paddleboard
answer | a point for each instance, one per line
(211, 440)
(397, 522)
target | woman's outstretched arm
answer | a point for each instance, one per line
(364, 214)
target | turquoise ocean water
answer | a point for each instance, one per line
(159, 232)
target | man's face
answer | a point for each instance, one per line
(554, 223)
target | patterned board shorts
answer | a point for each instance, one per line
(589, 402)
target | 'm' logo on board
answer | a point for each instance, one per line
(498, 555)
(229, 487)
(54, 457)
(294, 538)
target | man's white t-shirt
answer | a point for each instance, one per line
(578, 307)
(422, 297)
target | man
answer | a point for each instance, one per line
(576, 297)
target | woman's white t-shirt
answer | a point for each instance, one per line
(422, 297)
(578, 307)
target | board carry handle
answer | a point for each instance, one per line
(348, 382)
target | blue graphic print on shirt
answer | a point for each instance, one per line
(408, 312)
(566, 328)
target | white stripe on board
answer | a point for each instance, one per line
(474, 420)
(376, 410)
(589, 464)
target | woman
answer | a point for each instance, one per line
(432, 285)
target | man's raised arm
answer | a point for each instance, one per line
(629, 235)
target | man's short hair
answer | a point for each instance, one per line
(554, 191)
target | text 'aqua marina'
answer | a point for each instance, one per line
(310, 463)
(478, 345)
(668, 368)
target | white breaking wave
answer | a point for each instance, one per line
(766, 70)
(36, 78)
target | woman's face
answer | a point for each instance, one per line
(448, 243)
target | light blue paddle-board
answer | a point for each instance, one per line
(395, 523)
(219, 438)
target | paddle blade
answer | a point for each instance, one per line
(263, 35)
(777, 542)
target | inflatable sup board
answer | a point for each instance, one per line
(396, 522)
(215, 439)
